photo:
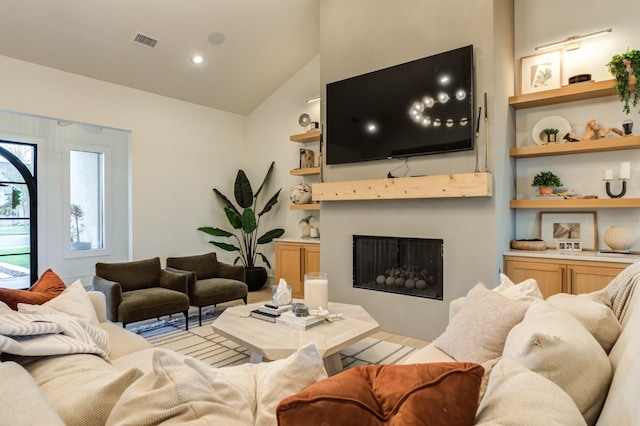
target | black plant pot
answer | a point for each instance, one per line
(255, 278)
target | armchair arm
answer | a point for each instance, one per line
(173, 281)
(192, 277)
(113, 294)
(233, 272)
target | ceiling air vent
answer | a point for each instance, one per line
(145, 40)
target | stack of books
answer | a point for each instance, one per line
(269, 312)
(299, 323)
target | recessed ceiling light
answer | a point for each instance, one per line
(197, 59)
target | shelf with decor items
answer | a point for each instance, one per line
(599, 145)
(579, 203)
(304, 138)
(570, 93)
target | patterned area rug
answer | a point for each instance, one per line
(203, 343)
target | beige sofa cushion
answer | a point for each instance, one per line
(478, 332)
(554, 344)
(81, 388)
(594, 315)
(74, 301)
(516, 396)
(28, 404)
(187, 390)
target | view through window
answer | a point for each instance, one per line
(86, 173)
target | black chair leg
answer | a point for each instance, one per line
(245, 300)
(186, 319)
(200, 316)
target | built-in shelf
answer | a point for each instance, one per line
(313, 206)
(310, 136)
(441, 186)
(573, 92)
(581, 203)
(601, 145)
(309, 171)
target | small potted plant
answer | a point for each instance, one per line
(546, 181)
(551, 134)
(306, 226)
(625, 68)
(77, 214)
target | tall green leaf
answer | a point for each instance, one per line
(242, 190)
(216, 232)
(270, 235)
(249, 223)
(226, 201)
(266, 178)
(225, 246)
(272, 202)
(234, 218)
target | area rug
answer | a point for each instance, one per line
(203, 343)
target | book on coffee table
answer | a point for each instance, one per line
(299, 323)
(273, 309)
(265, 316)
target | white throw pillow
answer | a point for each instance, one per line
(74, 301)
(594, 315)
(527, 288)
(554, 344)
(190, 390)
(478, 332)
(518, 396)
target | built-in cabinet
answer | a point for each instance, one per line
(293, 260)
(562, 275)
(312, 136)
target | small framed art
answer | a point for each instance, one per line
(569, 226)
(542, 71)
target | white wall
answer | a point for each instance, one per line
(535, 25)
(364, 35)
(179, 151)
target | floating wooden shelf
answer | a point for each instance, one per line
(574, 92)
(310, 136)
(601, 145)
(586, 203)
(441, 186)
(314, 206)
(309, 171)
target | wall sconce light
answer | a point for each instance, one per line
(573, 42)
(314, 99)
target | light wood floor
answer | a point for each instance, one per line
(264, 295)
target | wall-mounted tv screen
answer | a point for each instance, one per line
(420, 107)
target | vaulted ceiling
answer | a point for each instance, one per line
(250, 47)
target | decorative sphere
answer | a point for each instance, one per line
(390, 281)
(300, 193)
(380, 279)
(410, 283)
(421, 284)
(400, 282)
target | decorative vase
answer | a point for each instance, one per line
(255, 278)
(619, 238)
(546, 190)
(306, 231)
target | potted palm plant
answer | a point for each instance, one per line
(77, 227)
(546, 181)
(306, 226)
(625, 68)
(244, 219)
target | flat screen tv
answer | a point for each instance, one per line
(420, 107)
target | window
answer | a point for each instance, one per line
(86, 194)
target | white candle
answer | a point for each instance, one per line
(316, 291)
(625, 170)
(608, 174)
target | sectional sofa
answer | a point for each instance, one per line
(565, 360)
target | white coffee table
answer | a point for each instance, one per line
(276, 341)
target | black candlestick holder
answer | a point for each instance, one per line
(622, 192)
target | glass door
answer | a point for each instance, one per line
(18, 214)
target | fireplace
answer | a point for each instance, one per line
(410, 266)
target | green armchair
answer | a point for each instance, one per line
(210, 281)
(141, 290)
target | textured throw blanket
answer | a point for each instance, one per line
(621, 288)
(46, 334)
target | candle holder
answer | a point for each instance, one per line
(622, 192)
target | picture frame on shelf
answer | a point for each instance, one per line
(568, 245)
(306, 158)
(555, 226)
(540, 72)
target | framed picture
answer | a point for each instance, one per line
(306, 158)
(542, 71)
(569, 226)
(568, 245)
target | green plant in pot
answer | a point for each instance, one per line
(551, 134)
(244, 219)
(546, 181)
(77, 227)
(625, 68)
(306, 225)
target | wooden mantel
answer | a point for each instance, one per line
(477, 184)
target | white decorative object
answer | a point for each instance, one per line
(554, 122)
(282, 294)
(625, 170)
(316, 290)
(619, 238)
(608, 175)
(300, 193)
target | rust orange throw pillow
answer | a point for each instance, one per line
(414, 394)
(48, 286)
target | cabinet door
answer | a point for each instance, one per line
(550, 277)
(289, 266)
(312, 258)
(586, 279)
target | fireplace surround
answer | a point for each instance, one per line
(409, 266)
